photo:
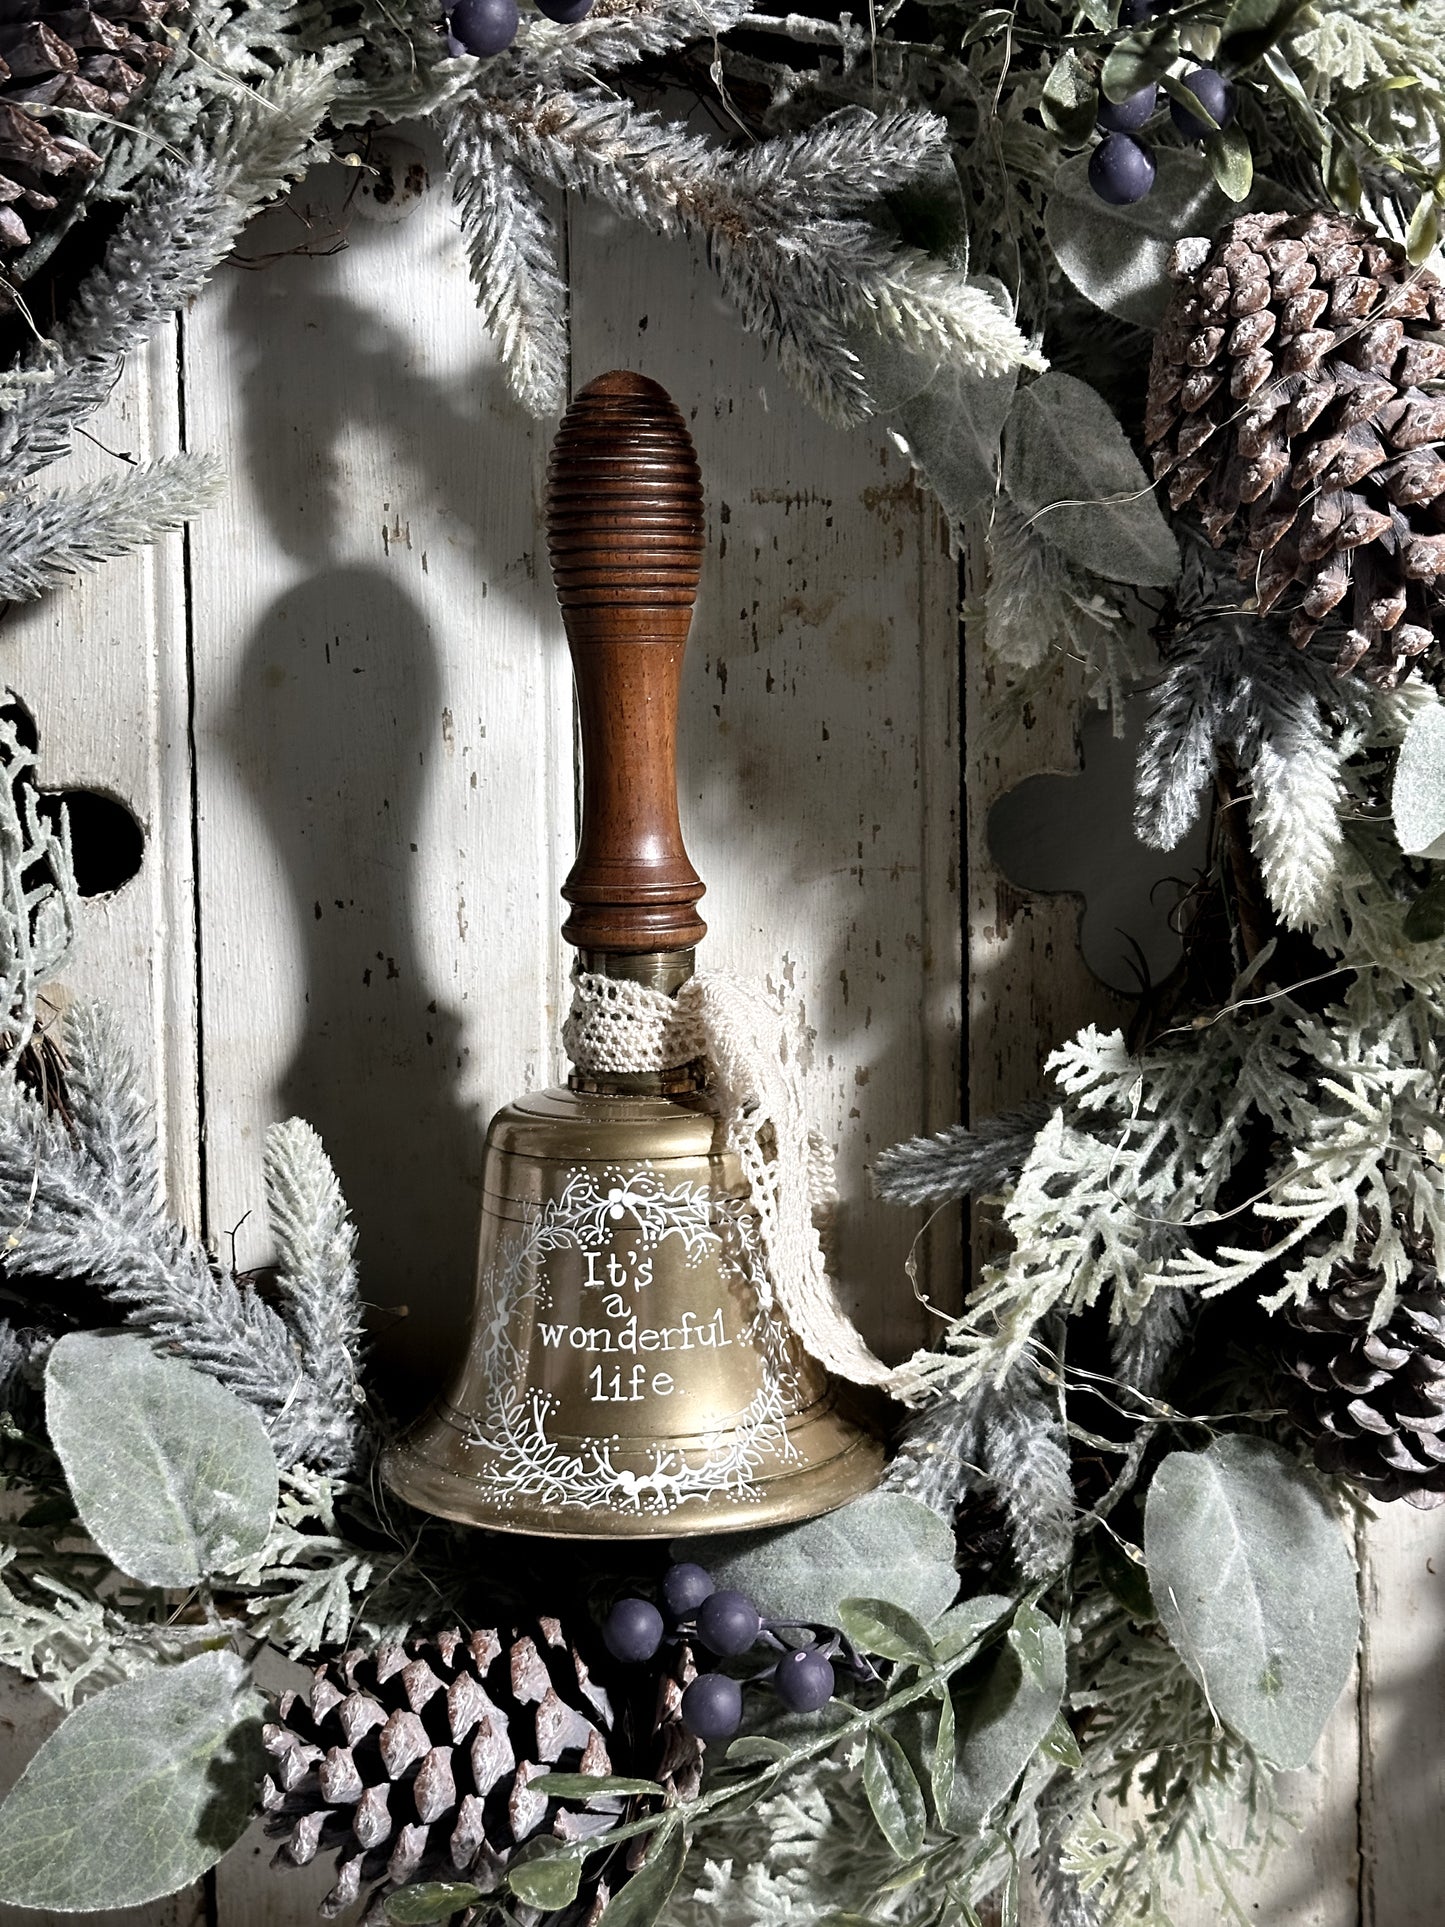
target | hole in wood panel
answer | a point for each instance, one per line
(107, 844)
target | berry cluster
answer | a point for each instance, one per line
(728, 1624)
(486, 27)
(1122, 167)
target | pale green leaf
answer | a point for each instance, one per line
(1137, 59)
(640, 1902)
(429, 1900)
(1424, 230)
(943, 1767)
(588, 1786)
(1252, 27)
(880, 1627)
(1070, 470)
(1059, 1743)
(884, 1545)
(1118, 257)
(894, 1794)
(968, 1623)
(1070, 99)
(1230, 161)
(140, 1791)
(755, 1748)
(1419, 795)
(546, 1875)
(1003, 1722)
(1255, 1588)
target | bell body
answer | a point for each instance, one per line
(626, 1373)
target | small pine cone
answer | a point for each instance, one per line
(1373, 1402)
(95, 55)
(429, 1761)
(1296, 405)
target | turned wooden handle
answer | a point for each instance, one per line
(624, 530)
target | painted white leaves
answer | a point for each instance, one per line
(882, 1546)
(140, 1791)
(172, 1474)
(1255, 1587)
(1072, 473)
(1419, 799)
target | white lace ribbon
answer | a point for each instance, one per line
(752, 1051)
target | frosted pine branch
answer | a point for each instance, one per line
(512, 245)
(1026, 1457)
(44, 538)
(38, 895)
(317, 1271)
(616, 34)
(850, 158)
(86, 1208)
(960, 1162)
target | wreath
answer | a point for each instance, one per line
(1106, 1591)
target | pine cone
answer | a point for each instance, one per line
(95, 55)
(1373, 1402)
(428, 1761)
(1295, 392)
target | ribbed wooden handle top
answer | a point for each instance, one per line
(624, 530)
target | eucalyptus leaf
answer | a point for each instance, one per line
(1122, 1571)
(1003, 1721)
(1255, 1588)
(1419, 795)
(642, 1900)
(1425, 919)
(881, 1628)
(546, 1874)
(884, 1545)
(893, 1794)
(429, 1900)
(140, 1791)
(1118, 257)
(1230, 161)
(1069, 468)
(173, 1476)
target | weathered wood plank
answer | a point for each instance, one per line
(819, 747)
(1402, 1779)
(385, 759)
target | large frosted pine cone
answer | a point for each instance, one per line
(95, 55)
(1296, 406)
(429, 1761)
(1373, 1402)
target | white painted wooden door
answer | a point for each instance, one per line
(341, 710)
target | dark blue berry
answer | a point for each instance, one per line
(728, 1622)
(1215, 95)
(712, 1707)
(484, 27)
(803, 1680)
(1127, 116)
(565, 12)
(1121, 170)
(633, 1631)
(684, 1587)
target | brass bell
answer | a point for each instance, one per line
(624, 1376)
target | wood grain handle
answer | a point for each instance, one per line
(624, 530)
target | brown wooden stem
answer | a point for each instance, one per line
(624, 529)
